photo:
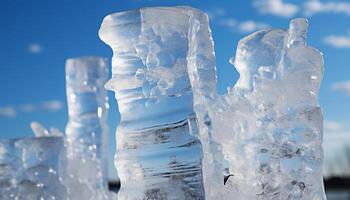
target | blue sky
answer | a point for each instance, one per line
(37, 37)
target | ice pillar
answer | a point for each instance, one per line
(158, 154)
(87, 129)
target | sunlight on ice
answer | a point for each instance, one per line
(265, 133)
(158, 155)
(87, 129)
(269, 124)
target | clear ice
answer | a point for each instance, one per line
(40, 131)
(87, 129)
(177, 137)
(158, 152)
(177, 134)
(31, 168)
(269, 125)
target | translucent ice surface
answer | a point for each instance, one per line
(40, 131)
(176, 133)
(30, 168)
(86, 131)
(158, 153)
(269, 124)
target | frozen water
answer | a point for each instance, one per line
(178, 137)
(30, 168)
(85, 170)
(40, 131)
(269, 124)
(87, 130)
(266, 132)
(158, 153)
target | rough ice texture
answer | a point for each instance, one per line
(158, 153)
(202, 72)
(87, 129)
(266, 131)
(269, 124)
(30, 168)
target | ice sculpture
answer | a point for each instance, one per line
(86, 131)
(30, 168)
(158, 152)
(269, 124)
(268, 127)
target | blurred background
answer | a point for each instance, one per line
(38, 36)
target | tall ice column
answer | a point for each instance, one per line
(159, 155)
(87, 129)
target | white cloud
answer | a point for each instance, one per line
(54, 105)
(8, 111)
(312, 7)
(28, 107)
(35, 48)
(221, 17)
(338, 41)
(250, 26)
(332, 126)
(343, 86)
(244, 26)
(216, 13)
(51, 106)
(229, 22)
(276, 7)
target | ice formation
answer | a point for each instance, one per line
(40, 131)
(30, 168)
(86, 131)
(158, 152)
(269, 124)
(268, 127)
(176, 132)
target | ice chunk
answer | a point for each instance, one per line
(55, 132)
(158, 153)
(202, 73)
(31, 168)
(269, 124)
(87, 129)
(40, 131)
